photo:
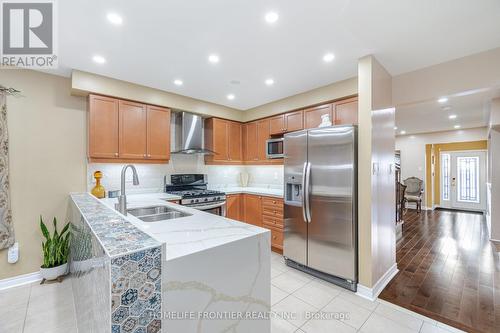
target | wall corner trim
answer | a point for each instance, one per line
(372, 293)
(20, 280)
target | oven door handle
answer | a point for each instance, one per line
(208, 206)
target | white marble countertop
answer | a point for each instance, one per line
(186, 235)
(272, 192)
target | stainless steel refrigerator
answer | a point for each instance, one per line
(320, 235)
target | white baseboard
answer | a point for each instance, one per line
(372, 293)
(20, 280)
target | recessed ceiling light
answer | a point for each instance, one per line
(99, 59)
(213, 58)
(443, 100)
(328, 57)
(230, 97)
(402, 132)
(452, 116)
(395, 127)
(115, 18)
(272, 17)
(269, 82)
(457, 126)
(178, 82)
(412, 136)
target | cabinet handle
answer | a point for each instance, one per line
(144, 155)
(116, 154)
(274, 237)
(274, 201)
(149, 155)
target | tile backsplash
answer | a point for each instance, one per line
(151, 176)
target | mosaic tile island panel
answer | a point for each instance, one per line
(117, 270)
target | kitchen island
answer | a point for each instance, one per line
(215, 272)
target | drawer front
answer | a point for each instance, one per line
(272, 202)
(272, 222)
(272, 211)
(277, 238)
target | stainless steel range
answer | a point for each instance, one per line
(192, 188)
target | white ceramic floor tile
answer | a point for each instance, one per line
(289, 282)
(317, 293)
(277, 295)
(411, 313)
(355, 315)
(296, 310)
(275, 272)
(15, 296)
(12, 326)
(279, 325)
(449, 328)
(353, 298)
(379, 324)
(319, 325)
(399, 317)
(429, 328)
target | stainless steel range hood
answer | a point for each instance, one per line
(187, 134)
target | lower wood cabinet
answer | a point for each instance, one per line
(234, 206)
(262, 211)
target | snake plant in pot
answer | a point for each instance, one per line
(55, 251)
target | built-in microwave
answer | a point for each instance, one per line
(274, 148)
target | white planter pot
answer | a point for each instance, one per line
(54, 272)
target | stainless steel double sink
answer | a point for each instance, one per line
(156, 213)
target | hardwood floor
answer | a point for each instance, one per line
(448, 270)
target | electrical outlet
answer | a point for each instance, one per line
(13, 253)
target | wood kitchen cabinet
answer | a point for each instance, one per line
(224, 137)
(250, 148)
(312, 116)
(346, 111)
(288, 122)
(263, 134)
(252, 209)
(103, 127)
(122, 131)
(158, 130)
(234, 206)
(133, 130)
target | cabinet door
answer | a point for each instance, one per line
(133, 130)
(253, 209)
(251, 148)
(294, 121)
(234, 141)
(263, 134)
(158, 130)
(346, 112)
(312, 117)
(277, 124)
(103, 127)
(220, 142)
(233, 206)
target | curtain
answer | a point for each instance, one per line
(6, 227)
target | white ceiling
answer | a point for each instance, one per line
(471, 110)
(160, 41)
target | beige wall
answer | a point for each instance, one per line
(83, 83)
(327, 93)
(376, 232)
(47, 131)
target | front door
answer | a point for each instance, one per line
(463, 180)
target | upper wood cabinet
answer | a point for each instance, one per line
(277, 124)
(103, 127)
(224, 137)
(250, 148)
(133, 130)
(124, 131)
(288, 122)
(263, 134)
(346, 111)
(158, 129)
(312, 116)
